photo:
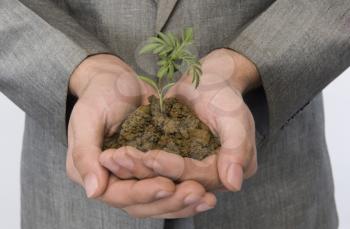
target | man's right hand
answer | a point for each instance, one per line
(108, 90)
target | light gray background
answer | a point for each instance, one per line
(337, 107)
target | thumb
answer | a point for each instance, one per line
(85, 136)
(237, 155)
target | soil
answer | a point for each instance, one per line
(175, 130)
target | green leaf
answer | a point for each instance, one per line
(196, 82)
(148, 48)
(162, 62)
(167, 86)
(198, 72)
(165, 38)
(173, 54)
(162, 71)
(195, 72)
(149, 82)
(187, 56)
(171, 71)
(187, 35)
(172, 51)
(172, 39)
(177, 44)
(197, 66)
(166, 50)
(155, 40)
(158, 50)
(195, 79)
(163, 56)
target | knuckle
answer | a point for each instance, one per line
(165, 183)
(162, 180)
(152, 155)
(145, 174)
(191, 187)
(156, 153)
(77, 158)
(122, 174)
(70, 170)
(177, 205)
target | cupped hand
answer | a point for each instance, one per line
(108, 90)
(217, 102)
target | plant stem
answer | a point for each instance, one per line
(160, 94)
(161, 101)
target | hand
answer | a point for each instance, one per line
(218, 103)
(107, 92)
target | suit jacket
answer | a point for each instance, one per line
(298, 46)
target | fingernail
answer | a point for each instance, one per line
(203, 207)
(111, 165)
(162, 194)
(190, 199)
(152, 164)
(125, 162)
(235, 176)
(90, 184)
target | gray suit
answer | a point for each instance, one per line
(299, 47)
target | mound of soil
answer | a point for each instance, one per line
(175, 130)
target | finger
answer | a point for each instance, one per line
(72, 172)
(187, 193)
(206, 203)
(139, 165)
(107, 160)
(183, 168)
(126, 162)
(86, 133)
(123, 193)
(236, 152)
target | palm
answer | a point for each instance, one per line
(218, 104)
(101, 108)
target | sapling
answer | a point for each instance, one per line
(172, 52)
(175, 129)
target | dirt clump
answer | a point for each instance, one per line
(175, 130)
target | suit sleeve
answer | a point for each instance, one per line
(40, 46)
(299, 47)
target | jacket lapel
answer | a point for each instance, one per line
(165, 7)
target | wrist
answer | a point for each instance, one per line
(89, 68)
(245, 76)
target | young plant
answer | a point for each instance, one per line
(172, 52)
